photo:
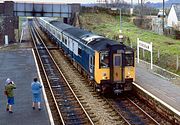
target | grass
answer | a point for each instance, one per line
(108, 25)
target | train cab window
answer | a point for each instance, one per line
(129, 59)
(104, 59)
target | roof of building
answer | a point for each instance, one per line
(177, 10)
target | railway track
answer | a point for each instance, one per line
(131, 113)
(69, 108)
(135, 112)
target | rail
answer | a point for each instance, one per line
(68, 105)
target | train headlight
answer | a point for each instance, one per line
(128, 75)
(104, 76)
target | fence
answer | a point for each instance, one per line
(160, 59)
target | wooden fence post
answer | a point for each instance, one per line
(177, 63)
(143, 54)
(158, 54)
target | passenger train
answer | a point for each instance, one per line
(109, 65)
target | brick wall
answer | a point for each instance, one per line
(8, 22)
(9, 7)
(1, 8)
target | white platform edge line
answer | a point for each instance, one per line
(44, 93)
(21, 35)
(162, 102)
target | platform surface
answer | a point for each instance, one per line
(20, 67)
(159, 87)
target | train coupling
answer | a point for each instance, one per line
(118, 89)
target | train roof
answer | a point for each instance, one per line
(97, 44)
(61, 26)
(78, 33)
(104, 44)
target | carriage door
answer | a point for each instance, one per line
(91, 64)
(117, 67)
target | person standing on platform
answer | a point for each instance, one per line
(36, 93)
(9, 86)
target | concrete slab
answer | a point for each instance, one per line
(159, 87)
(20, 67)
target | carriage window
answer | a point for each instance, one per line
(129, 59)
(53, 31)
(60, 36)
(70, 44)
(73, 46)
(104, 59)
(79, 50)
(92, 60)
(65, 40)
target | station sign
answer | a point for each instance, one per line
(145, 46)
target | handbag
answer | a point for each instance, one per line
(5, 92)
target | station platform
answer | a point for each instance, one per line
(163, 90)
(20, 67)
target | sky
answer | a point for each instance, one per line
(83, 1)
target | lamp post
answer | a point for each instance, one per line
(120, 20)
(120, 31)
(131, 9)
(120, 36)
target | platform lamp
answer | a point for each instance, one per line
(120, 31)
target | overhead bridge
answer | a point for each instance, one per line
(10, 8)
(44, 9)
(10, 11)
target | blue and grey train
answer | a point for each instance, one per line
(109, 65)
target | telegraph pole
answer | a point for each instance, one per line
(131, 9)
(141, 8)
(163, 18)
(141, 12)
(120, 36)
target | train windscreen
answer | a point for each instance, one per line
(129, 59)
(104, 59)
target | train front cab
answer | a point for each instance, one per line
(122, 69)
(118, 72)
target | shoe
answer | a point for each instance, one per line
(33, 108)
(10, 112)
(39, 109)
(7, 109)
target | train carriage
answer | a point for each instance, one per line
(108, 64)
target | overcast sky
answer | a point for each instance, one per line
(82, 1)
